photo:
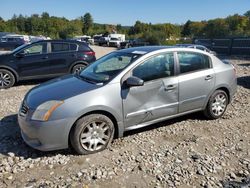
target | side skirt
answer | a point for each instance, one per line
(160, 119)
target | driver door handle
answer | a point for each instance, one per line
(208, 77)
(45, 57)
(170, 87)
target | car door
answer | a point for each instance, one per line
(158, 97)
(33, 61)
(196, 80)
(61, 57)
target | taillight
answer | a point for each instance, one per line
(90, 53)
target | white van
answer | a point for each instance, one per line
(116, 39)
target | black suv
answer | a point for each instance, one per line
(44, 59)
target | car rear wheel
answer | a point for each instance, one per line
(7, 79)
(92, 133)
(78, 68)
(217, 105)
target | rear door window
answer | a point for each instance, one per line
(190, 62)
(60, 47)
(73, 47)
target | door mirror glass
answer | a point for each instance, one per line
(134, 81)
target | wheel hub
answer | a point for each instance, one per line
(95, 136)
(5, 79)
(219, 104)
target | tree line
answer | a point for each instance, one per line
(167, 33)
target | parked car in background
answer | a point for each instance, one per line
(2, 34)
(134, 43)
(97, 39)
(44, 59)
(38, 38)
(10, 42)
(115, 40)
(122, 91)
(196, 46)
(103, 41)
(84, 38)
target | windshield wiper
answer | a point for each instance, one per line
(92, 81)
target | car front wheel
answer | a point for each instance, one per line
(217, 105)
(7, 79)
(92, 133)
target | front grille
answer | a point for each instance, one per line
(24, 109)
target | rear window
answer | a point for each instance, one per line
(190, 62)
(83, 47)
(60, 47)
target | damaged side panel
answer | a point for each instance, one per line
(152, 101)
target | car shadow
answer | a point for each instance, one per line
(12, 142)
(193, 116)
(244, 81)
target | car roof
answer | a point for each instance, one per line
(187, 45)
(151, 49)
(68, 41)
(145, 49)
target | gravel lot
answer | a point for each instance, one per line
(184, 152)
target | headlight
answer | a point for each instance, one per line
(44, 111)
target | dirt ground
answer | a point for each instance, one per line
(184, 152)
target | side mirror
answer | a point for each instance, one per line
(134, 81)
(20, 55)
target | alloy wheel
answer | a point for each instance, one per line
(5, 79)
(78, 69)
(95, 136)
(219, 104)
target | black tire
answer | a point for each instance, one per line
(7, 79)
(103, 129)
(78, 68)
(213, 110)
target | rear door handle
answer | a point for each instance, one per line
(45, 57)
(208, 77)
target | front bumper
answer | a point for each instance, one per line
(45, 136)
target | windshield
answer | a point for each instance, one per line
(20, 47)
(107, 67)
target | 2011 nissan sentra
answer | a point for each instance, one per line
(121, 91)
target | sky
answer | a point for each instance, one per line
(127, 12)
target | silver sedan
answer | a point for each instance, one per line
(122, 91)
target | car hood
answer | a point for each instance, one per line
(58, 89)
(4, 56)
